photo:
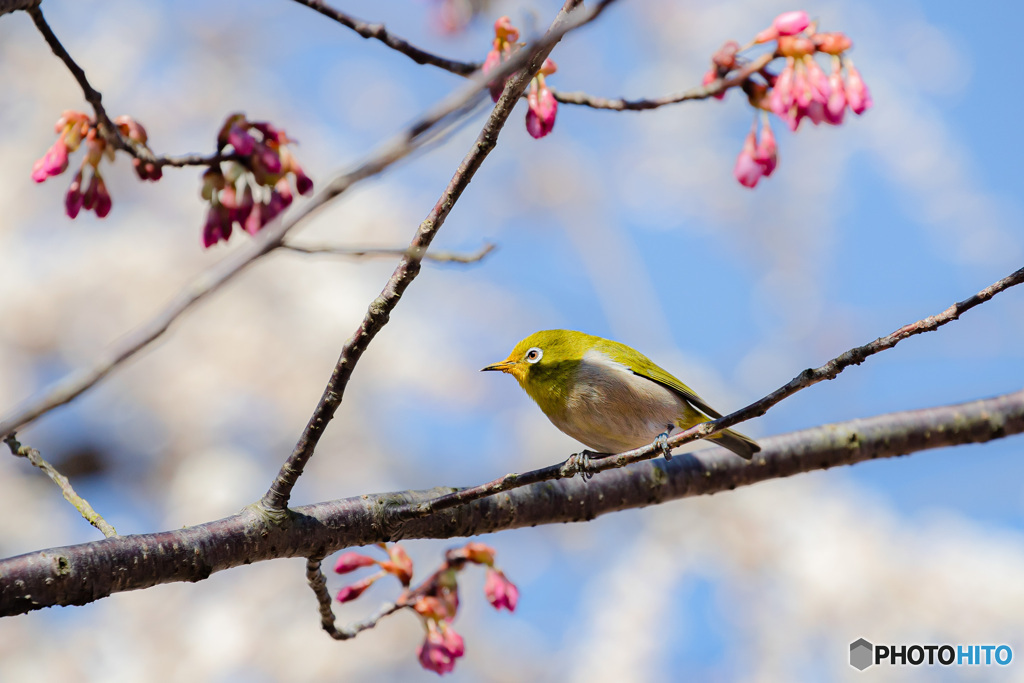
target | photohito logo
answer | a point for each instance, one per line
(863, 654)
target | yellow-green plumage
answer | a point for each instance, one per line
(607, 395)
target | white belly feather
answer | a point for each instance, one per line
(611, 409)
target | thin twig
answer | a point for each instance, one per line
(421, 254)
(703, 92)
(425, 130)
(805, 379)
(318, 582)
(83, 573)
(81, 504)
(275, 500)
(420, 56)
(379, 32)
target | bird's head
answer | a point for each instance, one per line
(546, 360)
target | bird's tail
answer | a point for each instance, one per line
(741, 445)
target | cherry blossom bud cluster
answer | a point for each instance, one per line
(540, 116)
(254, 188)
(801, 90)
(436, 600)
(88, 190)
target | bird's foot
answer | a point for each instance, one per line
(579, 463)
(662, 443)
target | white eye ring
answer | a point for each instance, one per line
(534, 355)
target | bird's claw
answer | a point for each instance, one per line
(579, 463)
(662, 443)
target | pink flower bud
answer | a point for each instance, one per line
(479, 553)
(791, 23)
(266, 159)
(254, 223)
(548, 67)
(500, 591)
(857, 94)
(835, 109)
(54, 162)
(239, 138)
(350, 561)
(435, 654)
(725, 56)
(73, 199)
(217, 227)
(401, 564)
(748, 171)
(767, 152)
(832, 43)
(780, 101)
(349, 593)
(505, 31)
(302, 182)
(452, 640)
(131, 129)
(103, 201)
(540, 118)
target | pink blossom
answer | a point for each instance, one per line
(791, 23)
(54, 162)
(500, 591)
(857, 94)
(540, 118)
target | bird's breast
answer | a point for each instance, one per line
(611, 409)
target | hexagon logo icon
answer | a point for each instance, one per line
(861, 652)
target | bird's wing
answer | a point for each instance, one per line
(643, 366)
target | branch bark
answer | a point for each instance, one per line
(79, 574)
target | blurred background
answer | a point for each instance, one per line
(625, 225)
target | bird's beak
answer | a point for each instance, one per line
(504, 366)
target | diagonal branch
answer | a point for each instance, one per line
(275, 500)
(79, 574)
(81, 504)
(429, 127)
(378, 32)
(703, 92)
(807, 378)
(420, 254)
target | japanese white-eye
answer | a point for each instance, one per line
(607, 395)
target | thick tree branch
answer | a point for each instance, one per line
(80, 504)
(420, 254)
(807, 378)
(429, 127)
(79, 574)
(378, 32)
(379, 311)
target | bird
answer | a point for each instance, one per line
(607, 395)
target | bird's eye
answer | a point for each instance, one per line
(534, 355)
